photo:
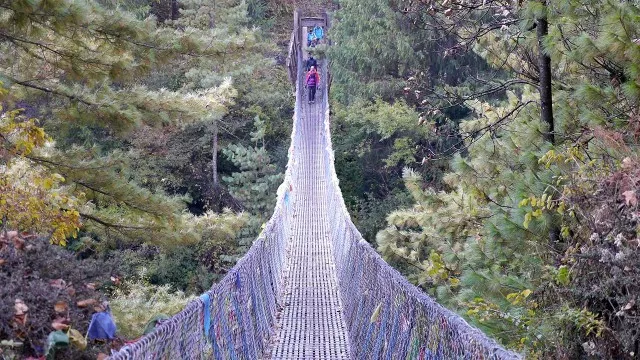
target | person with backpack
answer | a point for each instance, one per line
(311, 62)
(312, 81)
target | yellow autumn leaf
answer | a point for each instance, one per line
(77, 340)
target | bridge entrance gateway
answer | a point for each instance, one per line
(311, 287)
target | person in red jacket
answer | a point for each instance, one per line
(312, 80)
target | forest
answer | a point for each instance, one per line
(486, 148)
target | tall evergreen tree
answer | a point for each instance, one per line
(80, 65)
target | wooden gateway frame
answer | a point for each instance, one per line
(295, 44)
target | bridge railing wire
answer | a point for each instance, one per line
(387, 317)
(235, 318)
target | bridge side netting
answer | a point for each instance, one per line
(387, 317)
(235, 318)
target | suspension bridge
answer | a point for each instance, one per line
(311, 287)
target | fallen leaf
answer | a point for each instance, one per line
(20, 320)
(61, 307)
(90, 286)
(60, 323)
(2, 262)
(71, 291)
(27, 235)
(629, 305)
(58, 283)
(11, 343)
(18, 243)
(77, 340)
(87, 302)
(20, 307)
(376, 313)
(630, 197)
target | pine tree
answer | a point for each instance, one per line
(226, 20)
(256, 184)
(83, 68)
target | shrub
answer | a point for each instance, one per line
(136, 302)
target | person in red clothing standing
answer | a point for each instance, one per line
(312, 80)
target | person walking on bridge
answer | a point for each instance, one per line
(311, 81)
(311, 38)
(311, 62)
(318, 32)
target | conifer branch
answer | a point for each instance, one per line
(477, 134)
(47, 90)
(117, 226)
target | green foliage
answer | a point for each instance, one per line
(136, 302)
(369, 213)
(256, 182)
(96, 84)
(192, 267)
(32, 198)
(384, 67)
(372, 55)
(132, 104)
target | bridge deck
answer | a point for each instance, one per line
(311, 324)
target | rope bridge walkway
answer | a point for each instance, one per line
(311, 287)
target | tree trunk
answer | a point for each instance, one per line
(546, 99)
(544, 87)
(212, 21)
(214, 157)
(212, 14)
(174, 9)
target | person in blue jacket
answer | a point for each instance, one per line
(311, 38)
(318, 32)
